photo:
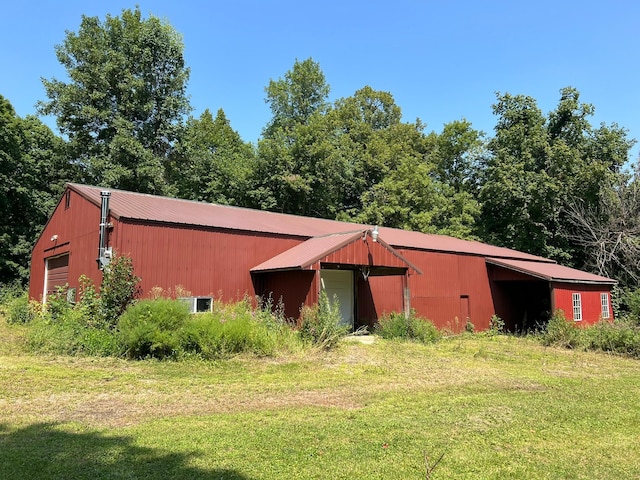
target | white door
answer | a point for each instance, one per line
(340, 284)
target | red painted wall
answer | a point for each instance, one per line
(590, 295)
(77, 230)
(204, 261)
(450, 287)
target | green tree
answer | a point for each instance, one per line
(296, 172)
(538, 166)
(33, 170)
(125, 99)
(294, 98)
(212, 163)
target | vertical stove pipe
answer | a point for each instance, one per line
(104, 212)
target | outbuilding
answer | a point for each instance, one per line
(215, 251)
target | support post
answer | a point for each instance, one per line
(406, 292)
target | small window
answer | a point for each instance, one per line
(604, 301)
(198, 304)
(577, 307)
(67, 199)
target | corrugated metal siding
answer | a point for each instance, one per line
(446, 279)
(365, 253)
(204, 261)
(77, 230)
(293, 287)
(590, 294)
(387, 295)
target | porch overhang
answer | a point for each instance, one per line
(550, 272)
(356, 248)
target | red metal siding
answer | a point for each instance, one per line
(590, 296)
(77, 230)
(293, 287)
(365, 253)
(450, 288)
(205, 262)
(386, 294)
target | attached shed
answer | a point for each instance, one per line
(229, 252)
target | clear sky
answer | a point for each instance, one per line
(442, 60)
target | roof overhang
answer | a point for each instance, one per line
(550, 271)
(358, 248)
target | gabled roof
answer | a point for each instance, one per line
(551, 272)
(143, 207)
(307, 253)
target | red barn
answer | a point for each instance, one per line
(229, 252)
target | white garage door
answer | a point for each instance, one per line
(340, 284)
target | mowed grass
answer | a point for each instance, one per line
(489, 407)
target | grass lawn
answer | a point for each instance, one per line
(492, 407)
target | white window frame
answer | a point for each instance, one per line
(604, 303)
(576, 300)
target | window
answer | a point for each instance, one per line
(198, 304)
(577, 307)
(604, 301)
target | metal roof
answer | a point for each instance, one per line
(550, 271)
(307, 253)
(144, 207)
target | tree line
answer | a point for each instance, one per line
(549, 184)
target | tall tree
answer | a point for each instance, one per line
(33, 169)
(212, 163)
(124, 100)
(538, 166)
(292, 161)
(294, 98)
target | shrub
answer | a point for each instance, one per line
(69, 334)
(150, 328)
(399, 326)
(496, 325)
(19, 309)
(119, 289)
(322, 325)
(560, 331)
(622, 337)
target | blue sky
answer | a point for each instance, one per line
(442, 60)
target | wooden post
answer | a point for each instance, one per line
(406, 292)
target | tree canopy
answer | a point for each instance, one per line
(125, 99)
(549, 184)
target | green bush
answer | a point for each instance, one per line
(19, 309)
(322, 325)
(560, 332)
(622, 337)
(496, 325)
(398, 326)
(151, 328)
(70, 335)
(119, 289)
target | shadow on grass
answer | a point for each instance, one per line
(45, 451)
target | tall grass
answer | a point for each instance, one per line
(402, 327)
(620, 337)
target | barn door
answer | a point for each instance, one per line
(464, 308)
(340, 284)
(57, 274)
